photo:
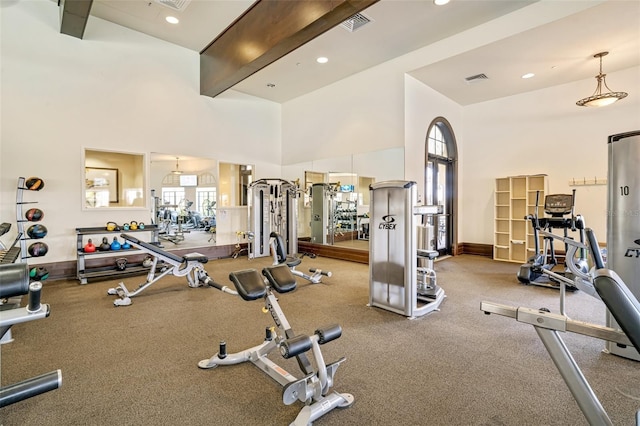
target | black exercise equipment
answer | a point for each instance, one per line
(313, 389)
(14, 282)
(280, 256)
(560, 207)
(38, 249)
(37, 231)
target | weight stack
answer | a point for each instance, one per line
(623, 219)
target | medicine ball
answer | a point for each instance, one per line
(121, 264)
(38, 249)
(34, 184)
(39, 273)
(34, 215)
(37, 231)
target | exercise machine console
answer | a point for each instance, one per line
(559, 210)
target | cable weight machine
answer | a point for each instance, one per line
(273, 207)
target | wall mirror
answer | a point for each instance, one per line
(113, 180)
(198, 201)
(342, 187)
(184, 192)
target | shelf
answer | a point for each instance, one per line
(515, 199)
(85, 272)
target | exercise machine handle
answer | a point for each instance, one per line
(30, 387)
(320, 271)
(598, 262)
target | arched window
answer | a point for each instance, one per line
(441, 183)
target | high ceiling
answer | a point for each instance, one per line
(557, 52)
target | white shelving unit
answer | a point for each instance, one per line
(515, 198)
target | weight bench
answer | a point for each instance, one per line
(622, 304)
(280, 257)
(14, 282)
(189, 265)
(313, 389)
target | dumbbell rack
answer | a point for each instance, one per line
(84, 273)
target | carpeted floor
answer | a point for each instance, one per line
(137, 365)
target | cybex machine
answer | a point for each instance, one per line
(623, 220)
(273, 207)
(395, 281)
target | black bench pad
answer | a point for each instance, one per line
(280, 278)
(622, 304)
(249, 284)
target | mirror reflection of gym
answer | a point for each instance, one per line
(198, 202)
(113, 180)
(184, 192)
(349, 228)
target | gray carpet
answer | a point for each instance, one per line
(137, 365)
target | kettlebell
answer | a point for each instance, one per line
(133, 225)
(115, 245)
(141, 225)
(125, 245)
(147, 262)
(125, 227)
(121, 264)
(89, 247)
(112, 226)
(105, 246)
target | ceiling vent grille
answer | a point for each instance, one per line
(476, 78)
(179, 5)
(356, 21)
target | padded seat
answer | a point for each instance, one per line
(249, 284)
(427, 254)
(280, 278)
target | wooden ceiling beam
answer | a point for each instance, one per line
(74, 15)
(266, 32)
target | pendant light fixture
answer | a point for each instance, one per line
(598, 98)
(177, 171)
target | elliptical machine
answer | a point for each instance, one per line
(560, 207)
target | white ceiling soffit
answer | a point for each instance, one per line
(557, 53)
(200, 20)
(398, 27)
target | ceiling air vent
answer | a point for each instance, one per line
(355, 22)
(476, 78)
(179, 5)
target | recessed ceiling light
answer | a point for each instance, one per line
(322, 60)
(172, 19)
(440, 2)
(528, 75)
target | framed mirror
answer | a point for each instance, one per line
(113, 180)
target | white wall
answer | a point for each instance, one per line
(117, 90)
(543, 132)
(361, 113)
